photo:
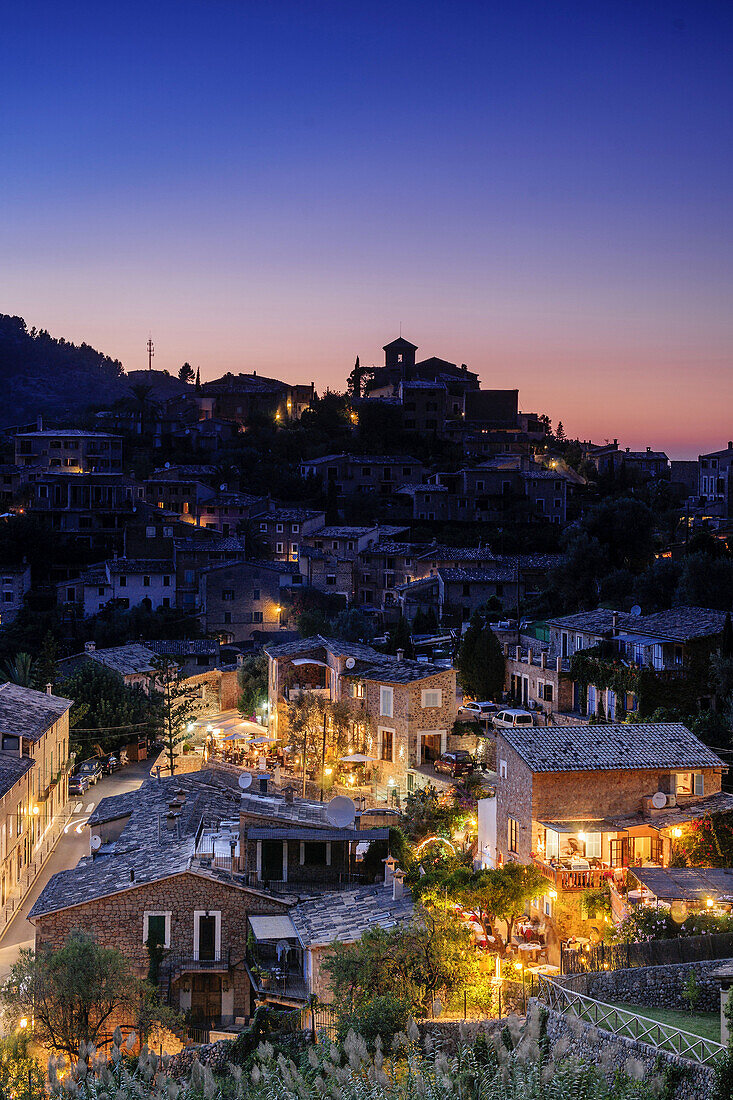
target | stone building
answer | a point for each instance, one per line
(580, 802)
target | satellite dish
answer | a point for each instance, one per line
(96, 843)
(659, 800)
(245, 781)
(350, 662)
(341, 812)
(167, 466)
(222, 488)
(636, 611)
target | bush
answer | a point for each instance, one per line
(381, 1016)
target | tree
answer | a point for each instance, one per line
(70, 994)
(47, 669)
(252, 681)
(176, 703)
(499, 893)
(109, 711)
(186, 373)
(560, 433)
(20, 671)
(142, 402)
(706, 581)
(481, 664)
(401, 638)
(20, 1073)
(305, 725)
(198, 379)
(432, 953)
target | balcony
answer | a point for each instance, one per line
(568, 878)
(276, 983)
(201, 963)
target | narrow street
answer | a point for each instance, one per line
(74, 844)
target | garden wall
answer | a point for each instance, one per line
(656, 986)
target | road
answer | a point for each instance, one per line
(73, 844)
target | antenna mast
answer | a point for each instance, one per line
(151, 352)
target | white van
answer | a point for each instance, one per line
(510, 719)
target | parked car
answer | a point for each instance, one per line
(110, 763)
(509, 719)
(454, 763)
(78, 784)
(92, 769)
(479, 710)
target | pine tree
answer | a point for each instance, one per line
(176, 704)
(481, 665)
(560, 433)
(198, 379)
(400, 637)
(47, 670)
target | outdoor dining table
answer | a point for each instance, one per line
(529, 948)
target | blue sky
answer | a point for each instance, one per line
(541, 190)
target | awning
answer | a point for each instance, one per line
(686, 883)
(584, 826)
(278, 927)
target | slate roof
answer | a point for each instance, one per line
(365, 460)
(301, 811)
(618, 747)
(185, 646)
(421, 487)
(124, 659)
(392, 671)
(344, 916)
(679, 624)
(455, 553)
(686, 883)
(145, 846)
(335, 645)
(25, 712)
(491, 574)
(139, 565)
(12, 768)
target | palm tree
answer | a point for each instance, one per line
(20, 671)
(141, 392)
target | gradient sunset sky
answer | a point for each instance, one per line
(541, 190)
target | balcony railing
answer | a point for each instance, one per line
(566, 878)
(198, 961)
(276, 982)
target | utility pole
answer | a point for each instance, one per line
(151, 352)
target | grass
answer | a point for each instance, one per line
(705, 1024)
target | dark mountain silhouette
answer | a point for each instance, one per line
(41, 374)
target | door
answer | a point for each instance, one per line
(621, 851)
(272, 859)
(207, 938)
(205, 999)
(430, 747)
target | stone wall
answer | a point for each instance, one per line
(604, 1049)
(656, 986)
(514, 799)
(603, 793)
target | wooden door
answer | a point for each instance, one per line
(205, 999)
(207, 938)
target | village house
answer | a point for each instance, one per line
(133, 662)
(34, 754)
(363, 475)
(130, 582)
(280, 531)
(403, 711)
(70, 449)
(237, 599)
(587, 802)
(715, 481)
(191, 861)
(15, 582)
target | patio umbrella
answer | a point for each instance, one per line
(357, 758)
(235, 737)
(263, 740)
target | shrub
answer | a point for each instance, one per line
(381, 1016)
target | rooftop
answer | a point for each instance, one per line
(492, 574)
(344, 916)
(185, 647)
(124, 659)
(25, 712)
(679, 624)
(334, 645)
(619, 747)
(686, 883)
(390, 670)
(11, 769)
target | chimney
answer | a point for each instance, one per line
(132, 874)
(180, 795)
(89, 647)
(39, 423)
(558, 664)
(730, 444)
(543, 659)
(263, 784)
(400, 654)
(614, 621)
(628, 449)
(289, 793)
(389, 865)
(398, 887)
(170, 820)
(240, 660)
(49, 689)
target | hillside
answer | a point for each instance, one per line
(41, 374)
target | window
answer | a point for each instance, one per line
(544, 691)
(278, 548)
(146, 582)
(227, 618)
(295, 528)
(166, 582)
(293, 548)
(263, 527)
(502, 769)
(386, 701)
(206, 935)
(149, 532)
(256, 616)
(314, 853)
(123, 581)
(689, 783)
(357, 689)
(188, 576)
(227, 594)
(157, 926)
(386, 744)
(512, 834)
(593, 845)
(255, 593)
(432, 697)
(330, 578)
(279, 528)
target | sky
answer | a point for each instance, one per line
(540, 189)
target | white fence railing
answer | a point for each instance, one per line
(627, 1023)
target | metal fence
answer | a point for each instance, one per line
(624, 956)
(629, 1024)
